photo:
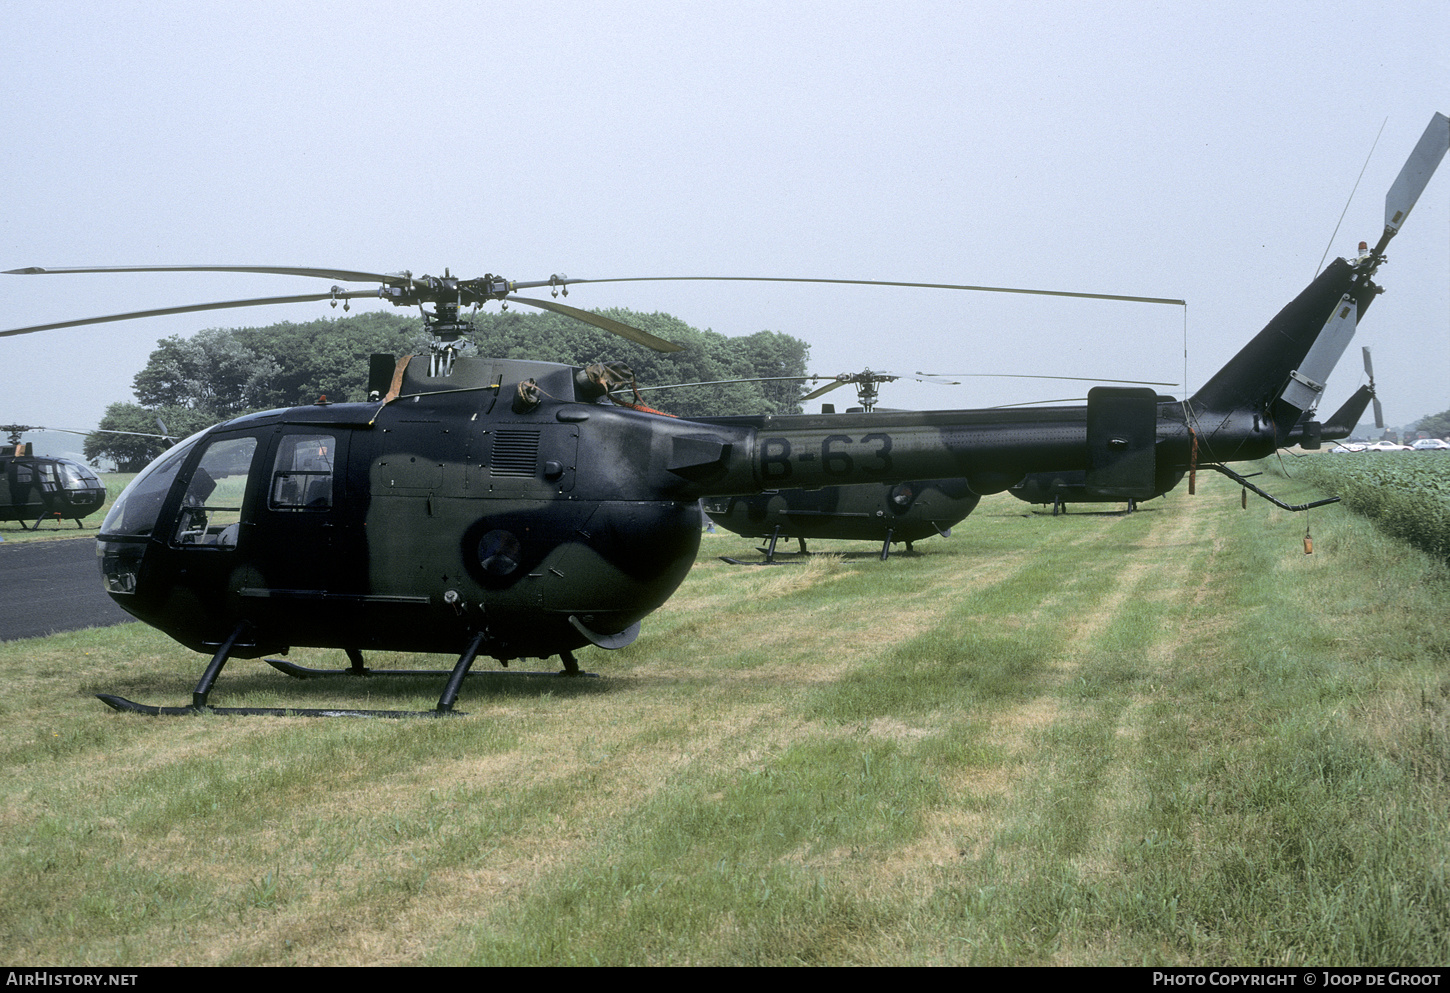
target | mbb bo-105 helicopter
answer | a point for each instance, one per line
(489, 506)
(36, 487)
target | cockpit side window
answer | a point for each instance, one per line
(211, 510)
(302, 473)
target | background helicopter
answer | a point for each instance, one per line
(490, 506)
(36, 487)
(898, 513)
(901, 512)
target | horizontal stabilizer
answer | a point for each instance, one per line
(1346, 418)
(1122, 434)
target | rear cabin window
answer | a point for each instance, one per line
(302, 473)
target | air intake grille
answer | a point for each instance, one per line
(515, 453)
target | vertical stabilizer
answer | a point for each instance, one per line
(1254, 378)
(1280, 375)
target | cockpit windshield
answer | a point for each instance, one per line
(138, 506)
(75, 476)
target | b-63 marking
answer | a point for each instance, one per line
(840, 456)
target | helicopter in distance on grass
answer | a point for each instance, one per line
(37, 488)
(492, 507)
(904, 511)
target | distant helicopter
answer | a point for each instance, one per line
(904, 512)
(36, 487)
(491, 506)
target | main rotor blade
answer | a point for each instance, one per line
(138, 434)
(344, 274)
(823, 390)
(883, 282)
(350, 275)
(731, 382)
(1080, 379)
(1029, 403)
(623, 330)
(194, 308)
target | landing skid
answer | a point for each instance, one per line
(131, 707)
(203, 689)
(772, 561)
(305, 672)
(769, 550)
(772, 556)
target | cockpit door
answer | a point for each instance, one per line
(299, 515)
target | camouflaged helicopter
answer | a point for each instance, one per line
(38, 488)
(492, 507)
(904, 511)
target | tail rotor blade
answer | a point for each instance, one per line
(1416, 173)
(1379, 411)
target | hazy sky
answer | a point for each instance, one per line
(1196, 151)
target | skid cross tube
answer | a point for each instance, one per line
(214, 669)
(455, 681)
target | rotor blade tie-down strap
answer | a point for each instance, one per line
(396, 386)
(1192, 461)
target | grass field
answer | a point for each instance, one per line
(1165, 737)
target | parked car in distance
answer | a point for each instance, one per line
(1346, 448)
(1386, 446)
(1431, 445)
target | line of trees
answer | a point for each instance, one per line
(1435, 425)
(192, 382)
